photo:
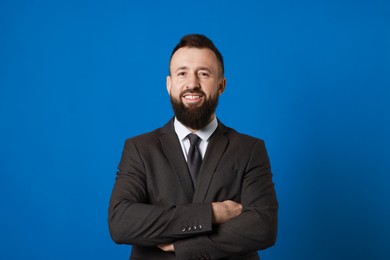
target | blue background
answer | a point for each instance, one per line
(311, 78)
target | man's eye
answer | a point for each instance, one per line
(204, 74)
(181, 73)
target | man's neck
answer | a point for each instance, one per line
(182, 131)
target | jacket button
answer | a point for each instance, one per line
(189, 228)
(200, 227)
(194, 228)
(183, 229)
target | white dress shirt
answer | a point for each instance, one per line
(182, 131)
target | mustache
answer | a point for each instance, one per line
(192, 91)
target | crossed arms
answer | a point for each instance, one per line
(227, 227)
(222, 212)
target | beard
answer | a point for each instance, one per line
(195, 117)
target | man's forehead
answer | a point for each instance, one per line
(187, 56)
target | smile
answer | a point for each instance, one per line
(192, 96)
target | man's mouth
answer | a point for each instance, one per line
(192, 97)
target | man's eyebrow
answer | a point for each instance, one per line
(197, 69)
(181, 68)
(204, 68)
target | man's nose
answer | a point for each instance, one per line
(193, 81)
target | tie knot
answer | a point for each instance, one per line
(194, 139)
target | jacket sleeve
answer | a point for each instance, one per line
(132, 220)
(254, 229)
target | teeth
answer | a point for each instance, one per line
(191, 97)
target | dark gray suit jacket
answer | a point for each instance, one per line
(154, 202)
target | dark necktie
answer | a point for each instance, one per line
(194, 158)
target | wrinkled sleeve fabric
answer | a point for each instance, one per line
(254, 229)
(132, 220)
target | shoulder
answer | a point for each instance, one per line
(145, 138)
(150, 138)
(239, 138)
(243, 142)
(244, 145)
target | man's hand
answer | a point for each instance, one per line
(167, 247)
(225, 211)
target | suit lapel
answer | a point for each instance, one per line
(174, 153)
(215, 149)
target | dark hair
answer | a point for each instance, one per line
(199, 41)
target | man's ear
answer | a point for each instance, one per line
(221, 85)
(168, 83)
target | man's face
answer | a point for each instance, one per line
(195, 84)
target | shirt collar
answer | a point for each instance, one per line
(182, 131)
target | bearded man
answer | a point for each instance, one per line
(195, 188)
